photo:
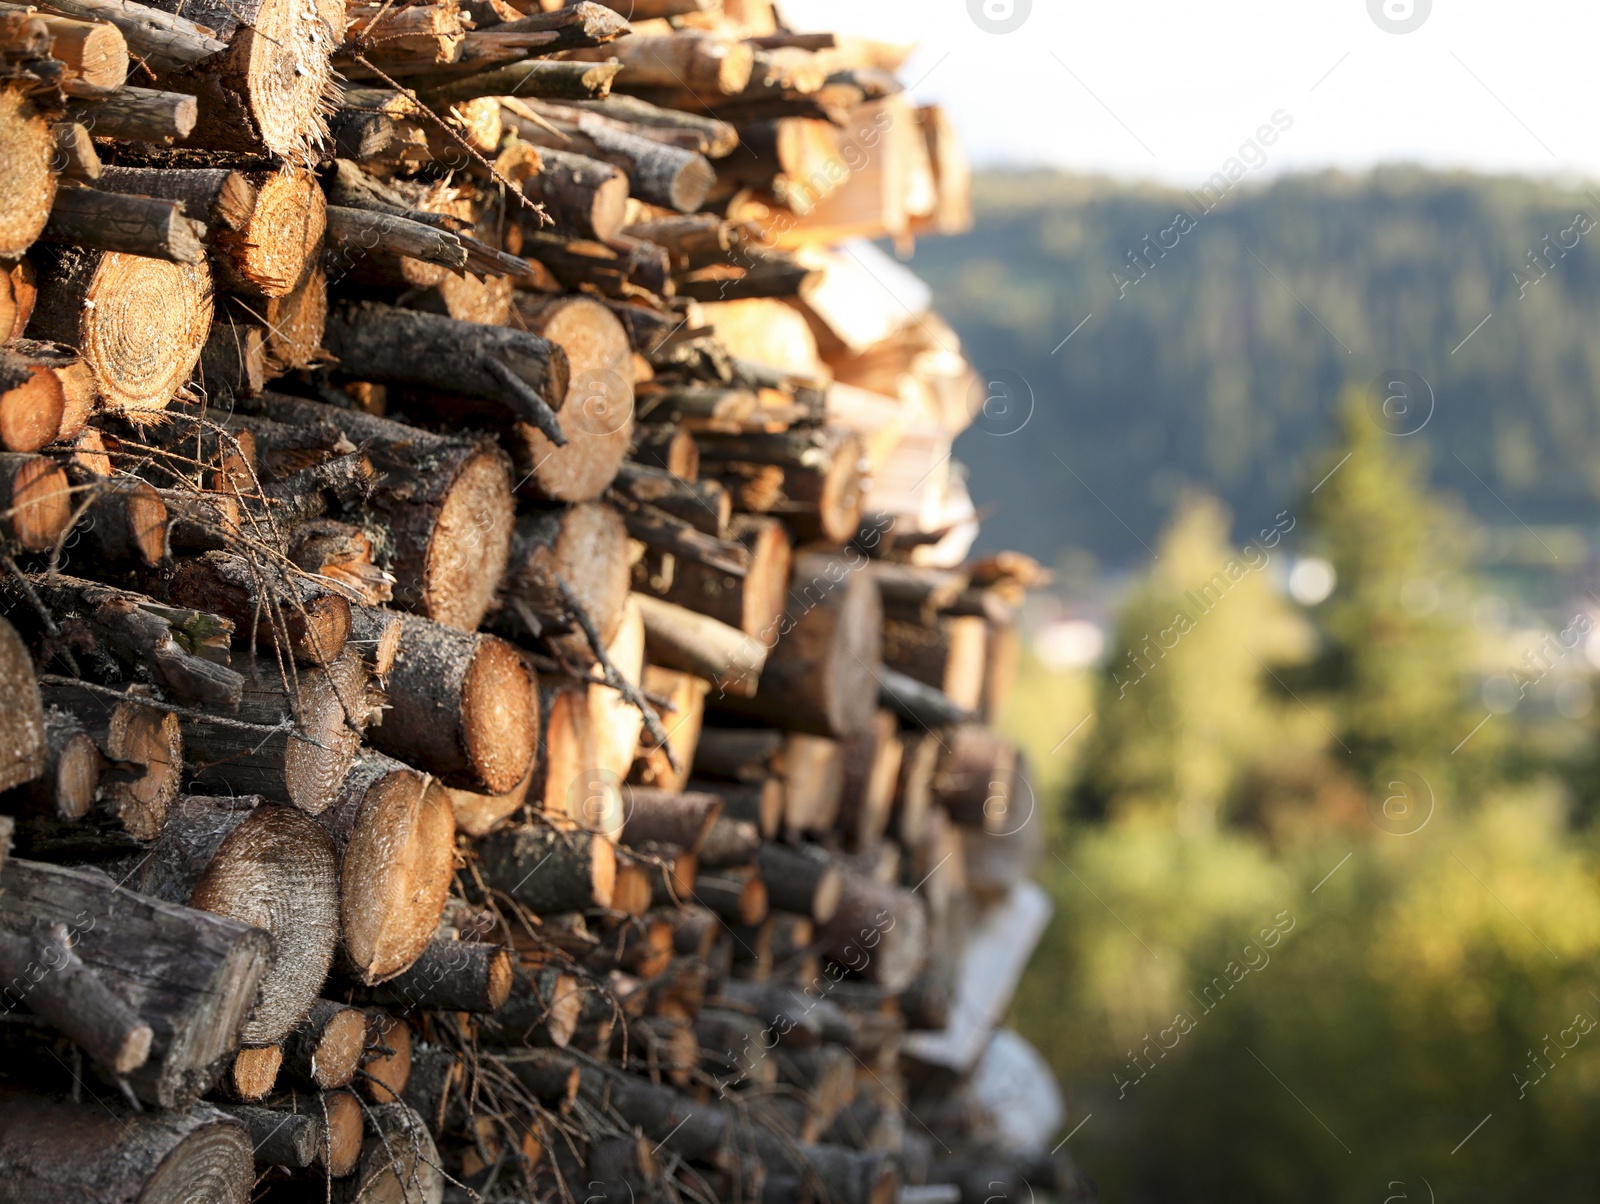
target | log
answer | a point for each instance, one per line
(704, 505)
(879, 931)
(465, 976)
(871, 763)
(264, 229)
(267, 606)
(822, 476)
(139, 323)
(32, 402)
(183, 651)
(267, 866)
(131, 225)
(460, 707)
(730, 842)
(913, 797)
(596, 411)
(395, 836)
(324, 1050)
(56, 985)
(162, 39)
(686, 694)
(813, 782)
(233, 363)
(543, 1008)
(922, 705)
(386, 1067)
(696, 62)
(739, 754)
(375, 635)
(974, 778)
(145, 747)
(751, 602)
(583, 196)
(124, 521)
(291, 1139)
(191, 975)
(138, 115)
(27, 150)
(737, 894)
(54, 1149)
(666, 446)
(531, 77)
(294, 323)
(679, 638)
(801, 879)
(344, 554)
(254, 1073)
(446, 504)
(583, 545)
(67, 787)
(684, 820)
(343, 1119)
(713, 138)
(24, 747)
(267, 91)
(75, 152)
(820, 675)
(949, 654)
(319, 719)
(35, 502)
(398, 1160)
(547, 870)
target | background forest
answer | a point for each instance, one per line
(1327, 877)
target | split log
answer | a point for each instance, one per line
(679, 638)
(138, 115)
(290, 1139)
(547, 870)
(184, 651)
(460, 707)
(266, 605)
(523, 372)
(268, 90)
(752, 602)
(324, 1050)
(45, 974)
(35, 502)
(131, 225)
(269, 867)
(801, 879)
(319, 719)
(584, 546)
(191, 975)
(820, 675)
(145, 747)
(139, 323)
(27, 150)
(595, 411)
(464, 976)
(55, 1149)
(446, 503)
(24, 748)
(396, 841)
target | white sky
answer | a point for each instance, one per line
(1169, 89)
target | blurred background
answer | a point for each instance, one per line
(1284, 317)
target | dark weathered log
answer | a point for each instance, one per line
(267, 605)
(134, 225)
(375, 635)
(752, 601)
(467, 976)
(35, 501)
(164, 40)
(460, 707)
(233, 363)
(396, 836)
(185, 651)
(949, 654)
(527, 374)
(325, 1048)
(974, 778)
(684, 820)
(730, 842)
(55, 1149)
(138, 115)
(398, 1160)
(531, 77)
(820, 675)
(125, 521)
(67, 788)
(291, 1139)
(319, 716)
(343, 553)
(879, 932)
(44, 973)
(582, 195)
(267, 866)
(192, 976)
(759, 802)
(543, 1008)
(801, 879)
(736, 893)
(919, 704)
(23, 745)
(145, 747)
(740, 754)
(583, 545)
(704, 505)
(547, 870)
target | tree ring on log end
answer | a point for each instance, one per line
(497, 717)
(469, 544)
(27, 186)
(143, 333)
(329, 708)
(42, 503)
(213, 1165)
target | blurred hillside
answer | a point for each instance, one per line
(1220, 368)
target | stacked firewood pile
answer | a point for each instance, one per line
(493, 696)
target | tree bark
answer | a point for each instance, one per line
(320, 718)
(191, 975)
(547, 870)
(268, 607)
(132, 225)
(684, 820)
(396, 840)
(266, 866)
(125, 521)
(138, 115)
(24, 749)
(820, 675)
(54, 1150)
(704, 505)
(879, 931)
(139, 323)
(974, 777)
(679, 638)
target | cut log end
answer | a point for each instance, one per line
(254, 1072)
(35, 501)
(498, 723)
(27, 186)
(467, 551)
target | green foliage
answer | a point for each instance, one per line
(1221, 370)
